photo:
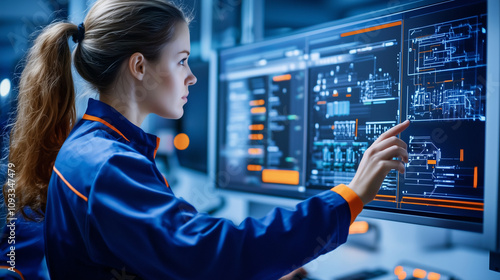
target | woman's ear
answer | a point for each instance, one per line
(137, 65)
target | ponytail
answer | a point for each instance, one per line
(113, 30)
(45, 116)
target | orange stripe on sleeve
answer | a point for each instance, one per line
(70, 186)
(355, 203)
(92, 118)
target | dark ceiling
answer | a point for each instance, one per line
(20, 18)
(283, 14)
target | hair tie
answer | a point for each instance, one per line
(78, 37)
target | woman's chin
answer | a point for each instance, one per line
(172, 115)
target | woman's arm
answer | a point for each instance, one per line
(134, 223)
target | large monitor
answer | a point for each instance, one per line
(296, 113)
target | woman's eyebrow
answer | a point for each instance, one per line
(185, 51)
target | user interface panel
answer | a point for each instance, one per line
(297, 113)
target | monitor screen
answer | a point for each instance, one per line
(296, 113)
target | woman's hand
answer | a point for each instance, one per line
(386, 153)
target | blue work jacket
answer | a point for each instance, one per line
(111, 215)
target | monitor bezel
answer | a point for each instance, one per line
(491, 220)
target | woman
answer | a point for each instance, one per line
(108, 211)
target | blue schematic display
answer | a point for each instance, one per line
(442, 60)
(296, 114)
(354, 96)
(444, 96)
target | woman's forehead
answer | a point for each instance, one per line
(181, 41)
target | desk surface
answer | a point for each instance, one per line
(465, 263)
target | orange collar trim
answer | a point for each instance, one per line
(92, 118)
(157, 146)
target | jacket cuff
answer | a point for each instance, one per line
(355, 203)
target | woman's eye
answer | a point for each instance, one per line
(183, 61)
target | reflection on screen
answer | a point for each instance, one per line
(296, 114)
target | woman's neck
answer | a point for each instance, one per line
(125, 105)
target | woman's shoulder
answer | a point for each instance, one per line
(83, 154)
(91, 145)
(85, 158)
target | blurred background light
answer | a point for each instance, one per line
(5, 87)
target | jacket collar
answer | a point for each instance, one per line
(125, 131)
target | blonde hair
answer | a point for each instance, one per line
(114, 30)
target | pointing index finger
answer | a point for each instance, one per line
(393, 131)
